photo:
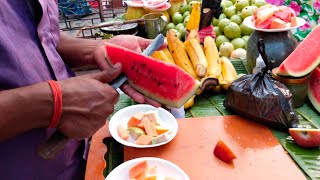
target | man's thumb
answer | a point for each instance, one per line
(107, 75)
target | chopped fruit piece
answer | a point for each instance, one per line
(223, 152)
(283, 15)
(305, 137)
(161, 138)
(135, 119)
(123, 133)
(150, 178)
(152, 116)
(277, 24)
(293, 22)
(160, 130)
(149, 127)
(136, 132)
(266, 24)
(138, 169)
(144, 140)
(263, 15)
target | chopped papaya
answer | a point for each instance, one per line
(149, 127)
(123, 133)
(150, 178)
(223, 152)
(138, 170)
(144, 140)
(152, 116)
(160, 130)
(135, 119)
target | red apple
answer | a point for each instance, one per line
(223, 152)
(305, 137)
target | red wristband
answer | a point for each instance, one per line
(57, 103)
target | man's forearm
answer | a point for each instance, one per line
(77, 52)
(25, 108)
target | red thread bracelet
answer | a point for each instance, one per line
(57, 103)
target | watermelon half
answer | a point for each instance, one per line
(163, 82)
(305, 58)
(314, 88)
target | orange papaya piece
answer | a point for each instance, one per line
(123, 133)
(138, 170)
(144, 140)
(135, 119)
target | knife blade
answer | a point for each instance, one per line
(58, 140)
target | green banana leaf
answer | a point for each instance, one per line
(210, 104)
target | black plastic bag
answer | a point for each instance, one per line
(261, 98)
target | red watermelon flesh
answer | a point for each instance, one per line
(167, 84)
(304, 59)
(314, 88)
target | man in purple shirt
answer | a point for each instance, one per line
(33, 51)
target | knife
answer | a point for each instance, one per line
(57, 140)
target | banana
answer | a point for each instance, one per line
(212, 55)
(189, 103)
(169, 55)
(179, 53)
(162, 56)
(228, 72)
(196, 56)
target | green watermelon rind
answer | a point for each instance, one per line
(306, 55)
(187, 90)
(313, 91)
(176, 104)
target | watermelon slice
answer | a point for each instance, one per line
(163, 82)
(304, 59)
(314, 88)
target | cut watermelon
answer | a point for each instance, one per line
(163, 82)
(304, 59)
(314, 88)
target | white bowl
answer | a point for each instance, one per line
(248, 22)
(122, 117)
(164, 168)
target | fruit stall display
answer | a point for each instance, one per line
(215, 56)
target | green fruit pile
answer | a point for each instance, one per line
(231, 33)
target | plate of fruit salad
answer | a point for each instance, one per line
(271, 18)
(147, 168)
(143, 126)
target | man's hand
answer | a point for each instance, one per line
(87, 102)
(134, 43)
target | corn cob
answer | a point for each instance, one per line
(195, 15)
(196, 56)
(212, 56)
(161, 56)
(179, 53)
(169, 55)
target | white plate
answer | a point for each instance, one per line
(134, 4)
(122, 117)
(164, 168)
(248, 22)
(146, 5)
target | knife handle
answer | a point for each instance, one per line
(53, 145)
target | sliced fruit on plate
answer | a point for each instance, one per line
(136, 132)
(263, 15)
(305, 137)
(135, 119)
(223, 152)
(138, 170)
(266, 24)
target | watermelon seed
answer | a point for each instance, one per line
(143, 65)
(149, 71)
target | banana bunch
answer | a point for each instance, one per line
(201, 61)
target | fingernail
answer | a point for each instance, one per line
(117, 65)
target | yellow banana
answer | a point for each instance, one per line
(228, 72)
(179, 53)
(169, 55)
(195, 16)
(196, 56)
(212, 55)
(189, 103)
(162, 56)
